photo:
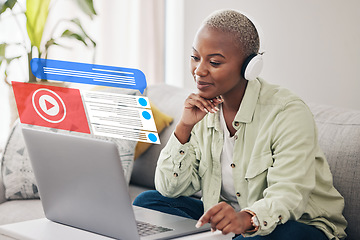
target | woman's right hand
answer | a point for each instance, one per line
(195, 109)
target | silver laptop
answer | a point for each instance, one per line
(81, 184)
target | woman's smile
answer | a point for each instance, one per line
(201, 85)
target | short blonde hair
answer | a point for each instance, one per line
(239, 26)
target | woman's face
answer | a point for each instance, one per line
(216, 63)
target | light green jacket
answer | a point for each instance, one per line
(280, 172)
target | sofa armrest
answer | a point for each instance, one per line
(2, 187)
(339, 139)
(2, 190)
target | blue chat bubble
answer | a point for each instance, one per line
(88, 73)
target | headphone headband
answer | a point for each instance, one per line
(258, 29)
(253, 65)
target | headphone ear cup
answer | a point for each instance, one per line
(252, 67)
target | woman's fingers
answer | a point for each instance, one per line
(206, 105)
(196, 107)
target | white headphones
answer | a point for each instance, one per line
(254, 63)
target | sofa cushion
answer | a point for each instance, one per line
(339, 138)
(169, 100)
(17, 174)
(18, 177)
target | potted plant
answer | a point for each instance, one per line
(36, 14)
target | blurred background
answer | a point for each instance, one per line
(311, 47)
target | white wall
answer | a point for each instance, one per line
(312, 47)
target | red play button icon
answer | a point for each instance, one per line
(49, 105)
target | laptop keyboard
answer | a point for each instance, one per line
(146, 229)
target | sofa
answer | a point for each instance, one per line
(339, 137)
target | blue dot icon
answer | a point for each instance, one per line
(143, 102)
(152, 137)
(146, 115)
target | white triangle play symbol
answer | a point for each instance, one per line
(49, 105)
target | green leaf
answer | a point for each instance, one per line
(2, 52)
(2, 55)
(36, 16)
(2, 49)
(8, 60)
(52, 42)
(8, 4)
(78, 23)
(87, 6)
(70, 34)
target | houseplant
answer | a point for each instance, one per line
(36, 13)
(33, 44)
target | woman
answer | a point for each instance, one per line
(250, 146)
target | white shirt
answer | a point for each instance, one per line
(226, 158)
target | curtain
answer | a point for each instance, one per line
(132, 35)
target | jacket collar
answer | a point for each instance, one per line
(246, 110)
(248, 104)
